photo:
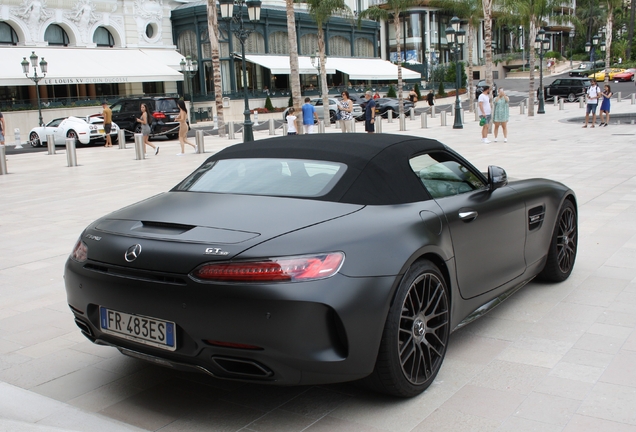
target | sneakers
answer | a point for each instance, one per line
(196, 149)
(180, 154)
(495, 139)
(505, 139)
(485, 140)
(157, 151)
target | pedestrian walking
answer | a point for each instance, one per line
(485, 111)
(369, 113)
(2, 128)
(291, 122)
(345, 106)
(376, 95)
(430, 98)
(605, 105)
(107, 115)
(593, 93)
(145, 127)
(184, 127)
(501, 113)
(309, 114)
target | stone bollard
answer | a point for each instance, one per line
(619, 97)
(378, 124)
(200, 141)
(121, 139)
(71, 155)
(3, 160)
(230, 130)
(561, 104)
(140, 147)
(412, 113)
(443, 118)
(423, 119)
(272, 127)
(389, 115)
(50, 143)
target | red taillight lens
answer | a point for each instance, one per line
(159, 115)
(80, 251)
(284, 269)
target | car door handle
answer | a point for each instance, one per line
(468, 216)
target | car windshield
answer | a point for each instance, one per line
(263, 176)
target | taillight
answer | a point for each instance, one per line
(159, 115)
(80, 251)
(283, 269)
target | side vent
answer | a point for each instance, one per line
(535, 217)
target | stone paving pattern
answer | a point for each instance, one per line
(553, 358)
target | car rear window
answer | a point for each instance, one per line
(263, 176)
(166, 105)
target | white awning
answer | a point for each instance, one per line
(370, 69)
(279, 65)
(168, 57)
(88, 66)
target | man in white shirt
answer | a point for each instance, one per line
(593, 94)
(484, 113)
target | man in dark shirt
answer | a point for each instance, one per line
(369, 113)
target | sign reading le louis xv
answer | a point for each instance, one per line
(91, 80)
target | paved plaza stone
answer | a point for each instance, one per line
(552, 358)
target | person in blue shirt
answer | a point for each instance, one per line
(309, 114)
(369, 113)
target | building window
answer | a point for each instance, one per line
(339, 47)
(278, 43)
(150, 31)
(363, 48)
(8, 36)
(308, 44)
(56, 36)
(187, 43)
(255, 44)
(103, 38)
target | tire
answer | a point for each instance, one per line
(172, 136)
(415, 335)
(563, 245)
(34, 139)
(571, 97)
(332, 116)
(72, 134)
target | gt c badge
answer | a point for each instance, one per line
(132, 253)
(215, 251)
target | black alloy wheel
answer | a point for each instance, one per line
(563, 246)
(34, 139)
(415, 335)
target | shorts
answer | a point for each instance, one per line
(591, 108)
(488, 119)
(309, 129)
(1, 137)
(108, 127)
(368, 126)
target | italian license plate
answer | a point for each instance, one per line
(137, 328)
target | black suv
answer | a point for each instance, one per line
(163, 111)
(480, 89)
(568, 88)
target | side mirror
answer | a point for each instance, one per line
(497, 177)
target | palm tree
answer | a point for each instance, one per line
(213, 34)
(470, 11)
(391, 8)
(611, 5)
(487, 6)
(321, 11)
(293, 57)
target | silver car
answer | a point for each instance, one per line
(333, 109)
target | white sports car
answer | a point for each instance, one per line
(84, 130)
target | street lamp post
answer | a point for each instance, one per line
(189, 68)
(591, 47)
(571, 52)
(254, 14)
(542, 45)
(35, 78)
(315, 62)
(456, 39)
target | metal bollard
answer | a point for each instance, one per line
(230, 130)
(433, 111)
(619, 97)
(389, 115)
(561, 104)
(200, 141)
(50, 144)
(285, 128)
(633, 98)
(522, 108)
(556, 100)
(16, 133)
(423, 120)
(443, 118)
(582, 102)
(140, 147)
(378, 124)
(321, 127)
(216, 122)
(353, 126)
(121, 139)
(255, 118)
(71, 156)
(3, 160)
(272, 127)
(402, 122)
(412, 113)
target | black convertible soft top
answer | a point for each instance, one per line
(378, 170)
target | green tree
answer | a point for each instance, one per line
(385, 11)
(321, 11)
(391, 93)
(416, 89)
(268, 104)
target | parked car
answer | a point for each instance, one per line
(84, 130)
(600, 75)
(626, 75)
(384, 105)
(333, 107)
(315, 259)
(163, 112)
(480, 88)
(568, 88)
(586, 68)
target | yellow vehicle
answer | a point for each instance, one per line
(600, 75)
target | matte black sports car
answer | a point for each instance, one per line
(318, 259)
